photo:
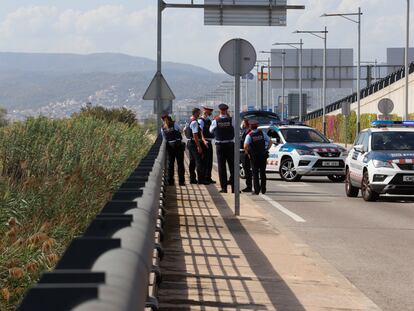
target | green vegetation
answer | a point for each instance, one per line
(55, 176)
(335, 125)
(3, 118)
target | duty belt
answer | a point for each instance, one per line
(224, 141)
(174, 141)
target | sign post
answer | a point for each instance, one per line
(237, 57)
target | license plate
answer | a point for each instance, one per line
(408, 178)
(330, 163)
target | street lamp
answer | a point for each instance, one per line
(324, 37)
(283, 53)
(258, 62)
(407, 69)
(358, 21)
(294, 45)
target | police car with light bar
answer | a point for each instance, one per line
(299, 150)
(382, 161)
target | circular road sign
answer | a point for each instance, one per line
(247, 57)
(385, 106)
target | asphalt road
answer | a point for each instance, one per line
(372, 244)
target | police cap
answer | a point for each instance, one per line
(207, 108)
(223, 107)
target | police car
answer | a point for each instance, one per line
(382, 161)
(300, 150)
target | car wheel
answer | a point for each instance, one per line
(367, 193)
(242, 172)
(337, 178)
(288, 171)
(350, 190)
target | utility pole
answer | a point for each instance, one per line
(407, 68)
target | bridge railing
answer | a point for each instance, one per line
(369, 90)
(113, 266)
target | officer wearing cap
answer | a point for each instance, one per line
(175, 149)
(245, 160)
(205, 122)
(223, 131)
(256, 145)
(194, 136)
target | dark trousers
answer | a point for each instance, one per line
(247, 169)
(225, 154)
(176, 153)
(195, 163)
(207, 160)
(259, 169)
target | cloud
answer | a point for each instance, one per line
(117, 28)
(47, 29)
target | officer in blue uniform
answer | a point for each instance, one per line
(223, 131)
(245, 160)
(175, 149)
(205, 122)
(195, 139)
(256, 145)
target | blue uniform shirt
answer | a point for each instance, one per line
(266, 138)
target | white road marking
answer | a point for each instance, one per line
(283, 209)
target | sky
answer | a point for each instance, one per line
(129, 26)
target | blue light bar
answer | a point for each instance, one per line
(389, 123)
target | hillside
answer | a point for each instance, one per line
(29, 82)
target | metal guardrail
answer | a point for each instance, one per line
(375, 87)
(110, 267)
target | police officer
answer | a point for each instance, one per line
(175, 149)
(223, 131)
(194, 136)
(256, 145)
(205, 122)
(245, 158)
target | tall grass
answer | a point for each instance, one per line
(55, 175)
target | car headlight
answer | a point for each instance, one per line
(378, 164)
(344, 152)
(304, 152)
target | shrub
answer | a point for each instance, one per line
(335, 125)
(123, 115)
(3, 117)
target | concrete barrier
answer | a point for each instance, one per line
(109, 267)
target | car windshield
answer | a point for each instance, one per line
(392, 141)
(299, 135)
(263, 119)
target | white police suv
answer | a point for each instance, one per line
(300, 150)
(382, 161)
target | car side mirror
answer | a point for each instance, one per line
(359, 148)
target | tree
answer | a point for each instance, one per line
(3, 117)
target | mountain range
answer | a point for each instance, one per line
(30, 81)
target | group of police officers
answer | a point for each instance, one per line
(201, 131)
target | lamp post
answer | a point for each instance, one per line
(358, 21)
(324, 37)
(283, 53)
(259, 70)
(294, 45)
(407, 69)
